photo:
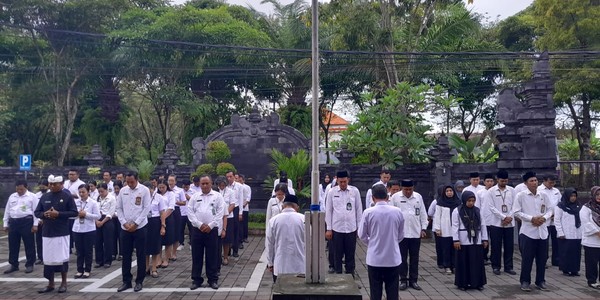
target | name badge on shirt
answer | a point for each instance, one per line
(417, 211)
(212, 207)
(348, 206)
(504, 208)
(138, 200)
(543, 208)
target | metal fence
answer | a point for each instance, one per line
(579, 174)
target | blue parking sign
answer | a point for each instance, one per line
(25, 162)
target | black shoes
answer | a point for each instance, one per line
(123, 287)
(62, 289)
(39, 262)
(525, 287)
(213, 285)
(241, 246)
(541, 286)
(415, 286)
(29, 269)
(403, 286)
(195, 286)
(331, 270)
(511, 272)
(235, 254)
(98, 265)
(497, 271)
(12, 269)
(107, 266)
(46, 290)
(138, 287)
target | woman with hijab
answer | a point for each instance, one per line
(430, 214)
(590, 221)
(469, 234)
(442, 225)
(568, 229)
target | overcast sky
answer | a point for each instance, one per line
(493, 8)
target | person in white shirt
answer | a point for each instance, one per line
(179, 211)
(21, 224)
(520, 187)
(415, 225)
(107, 178)
(590, 221)
(196, 184)
(133, 205)
(284, 179)
(430, 213)
(105, 227)
(442, 225)
(167, 222)
(93, 185)
(501, 224)
(247, 195)
(227, 194)
(238, 212)
(474, 185)
(569, 231)
(481, 197)
(384, 178)
(84, 231)
(535, 210)
(186, 185)
(459, 186)
(322, 189)
(42, 189)
(155, 232)
(73, 183)
(382, 229)
(275, 204)
(553, 194)
(206, 209)
(285, 241)
(342, 216)
(469, 234)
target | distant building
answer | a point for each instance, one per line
(337, 125)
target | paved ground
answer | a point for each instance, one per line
(247, 279)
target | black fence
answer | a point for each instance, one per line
(581, 175)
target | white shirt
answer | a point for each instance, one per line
(460, 234)
(21, 206)
(520, 187)
(274, 207)
(553, 195)
(73, 187)
(590, 236)
(247, 195)
(190, 192)
(344, 210)
(107, 206)
(180, 197)
(381, 229)
(238, 195)
(158, 204)
(481, 198)
(526, 206)
(431, 209)
(285, 243)
(92, 213)
(369, 197)
(290, 187)
(196, 189)
(170, 199)
(565, 225)
(94, 195)
(206, 209)
(499, 206)
(110, 186)
(474, 189)
(414, 213)
(442, 221)
(133, 205)
(227, 194)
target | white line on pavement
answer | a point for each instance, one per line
(4, 264)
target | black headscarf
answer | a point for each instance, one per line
(570, 207)
(444, 201)
(470, 217)
(594, 206)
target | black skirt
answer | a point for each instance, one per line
(469, 269)
(153, 238)
(570, 255)
(229, 232)
(169, 238)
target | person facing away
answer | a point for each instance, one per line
(285, 241)
(590, 221)
(382, 229)
(469, 235)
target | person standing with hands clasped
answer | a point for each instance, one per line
(590, 220)
(568, 228)
(469, 234)
(133, 205)
(415, 224)
(382, 229)
(534, 209)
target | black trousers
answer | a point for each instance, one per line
(84, 244)
(105, 242)
(219, 254)
(235, 245)
(439, 256)
(447, 246)
(570, 255)
(244, 226)
(330, 252)
(555, 247)
(592, 263)
(38, 242)
(129, 240)
(380, 275)
(181, 237)
(20, 229)
(502, 238)
(344, 246)
(205, 245)
(117, 245)
(409, 247)
(178, 224)
(486, 251)
(533, 249)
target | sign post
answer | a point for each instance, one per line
(25, 163)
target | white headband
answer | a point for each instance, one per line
(53, 179)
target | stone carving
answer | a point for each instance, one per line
(442, 155)
(343, 155)
(96, 158)
(169, 158)
(528, 139)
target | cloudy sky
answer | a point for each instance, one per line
(493, 8)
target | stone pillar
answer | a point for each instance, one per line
(442, 155)
(169, 159)
(343, 155)
(96, 158)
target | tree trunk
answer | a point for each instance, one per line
(388, 43)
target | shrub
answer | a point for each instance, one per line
(144, 169)
(224, 167)
(217, 152)
(205, 169)
(257, 217)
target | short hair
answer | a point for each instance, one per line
(133, 174)
(165, 182)
(73, 170)
(392, 183)
(43, 182)
(153, 177)
(120, 173)
(242, 176)
(549, 177)
(282, 187)
(21, 182)
(106, 171)
(231, 171)
(221, 179)
(118, 183)
(379, 192)
(103, 186)
(172, 175)
(84, 186)
(385, 171)
(93, 182)
(204, 175)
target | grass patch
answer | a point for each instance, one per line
(256, 225)
(257, 217)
